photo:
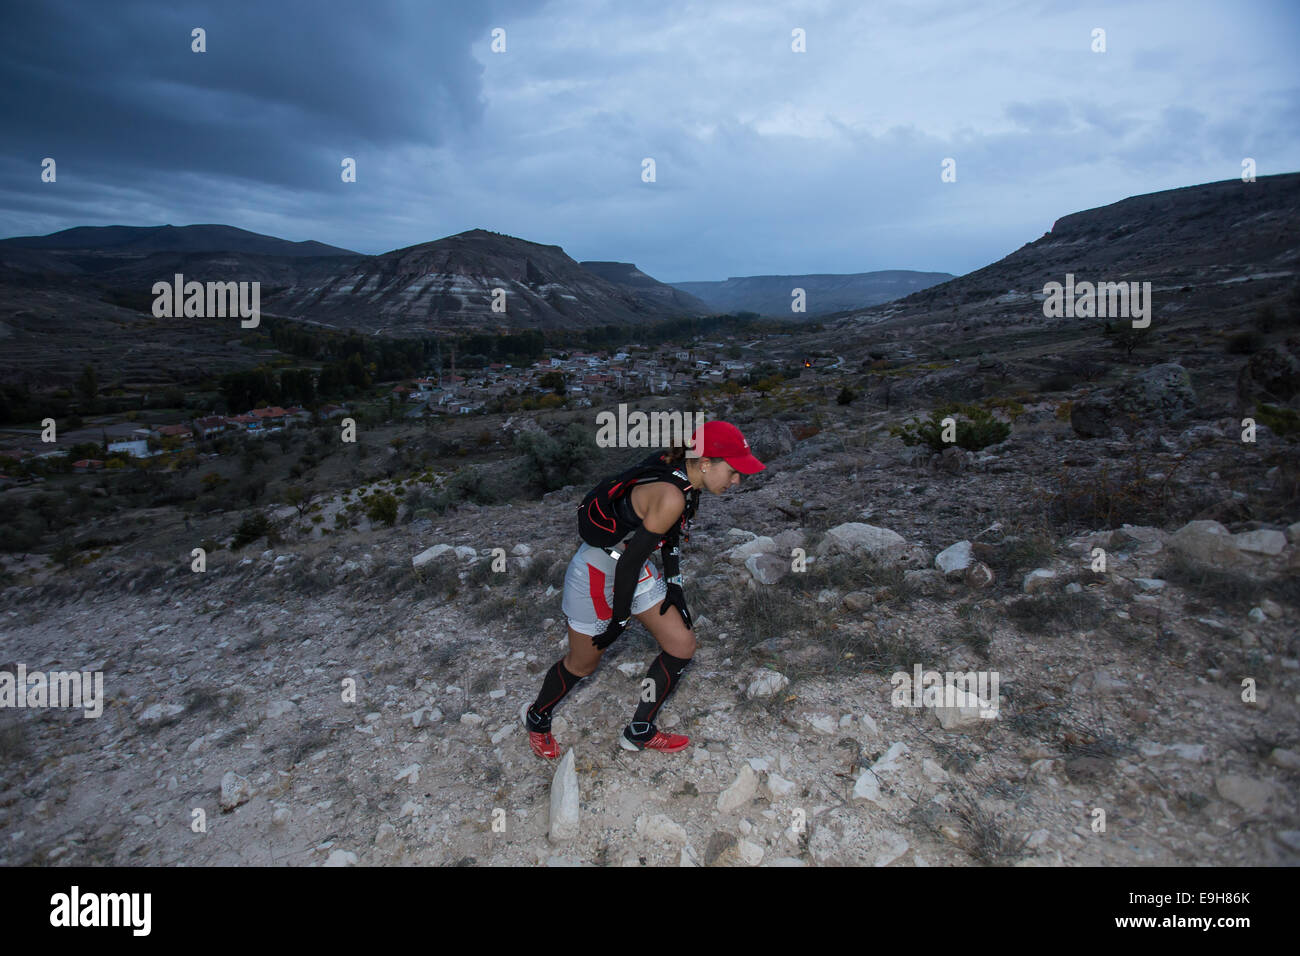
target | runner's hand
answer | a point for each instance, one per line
(676, 597)
(609, 636)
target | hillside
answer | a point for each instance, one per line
(450, 283)
(771, 295)
(627, 275)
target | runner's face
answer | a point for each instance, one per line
(720, 477)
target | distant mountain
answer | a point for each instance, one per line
(1180, 240)
(132, 258)
(629, 276)
(772, 295)
(451, 283)
(119, 240)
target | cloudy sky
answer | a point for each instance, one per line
(766, 160)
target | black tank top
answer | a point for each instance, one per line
(606, 515)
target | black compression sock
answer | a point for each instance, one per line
(664, 673)
(557, 684)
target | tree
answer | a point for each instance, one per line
(88, 385)
(300, 497)
(1129, 338)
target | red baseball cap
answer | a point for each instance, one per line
(724, 440)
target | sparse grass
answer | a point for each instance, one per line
(13, 745)
(538, 571)
(973, 632)
(1215, 586)
(1015, 555)
(308, 742)
(437, 579)
(1140, 491)
(309, 579)
(1059, 609)
(210, 697)
(989, 839)
(764, 613)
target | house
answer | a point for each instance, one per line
(209, 426)
(138, 448)
(87, 464)
(182, 432)
(332, 411)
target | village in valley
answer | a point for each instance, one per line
(584, 377)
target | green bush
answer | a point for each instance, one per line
(1281, 421)
(382, 507)
(553, 463)
(1244, 343)
(976, 428)
(252, 528)
(845, 396)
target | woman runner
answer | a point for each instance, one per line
(609, 580)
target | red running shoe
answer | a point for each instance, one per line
(665, 743)
(544, 745)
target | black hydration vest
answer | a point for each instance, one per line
(606, 515)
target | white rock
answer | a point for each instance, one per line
(278, 708)
(631, 669)
(971, 712)
(470, 719)
(778, 786)
(1038, 580)
(856, 537)
(892, 846)
(564, 800)
(955, 559)
(1251, 795)
(888, 762)
(742, 552)
(932, 771)
(1207, 542)
(1149, 584)
(385, 835)
(157, 712)
(867, 788)
(740, 792)
(823, 723)
(411, 774)
(1262, 541)
(1193, 752)
(766, 683)
(280, 817)
(767, 568)
(235, 790)
(341, 858)
(751, 854)
(660, 828)
(1286, 759)
(432, 554)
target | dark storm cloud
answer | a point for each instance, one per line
(767, 160)
(115, 94)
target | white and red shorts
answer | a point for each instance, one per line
(589, 589)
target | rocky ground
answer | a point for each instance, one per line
(1147, 707)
